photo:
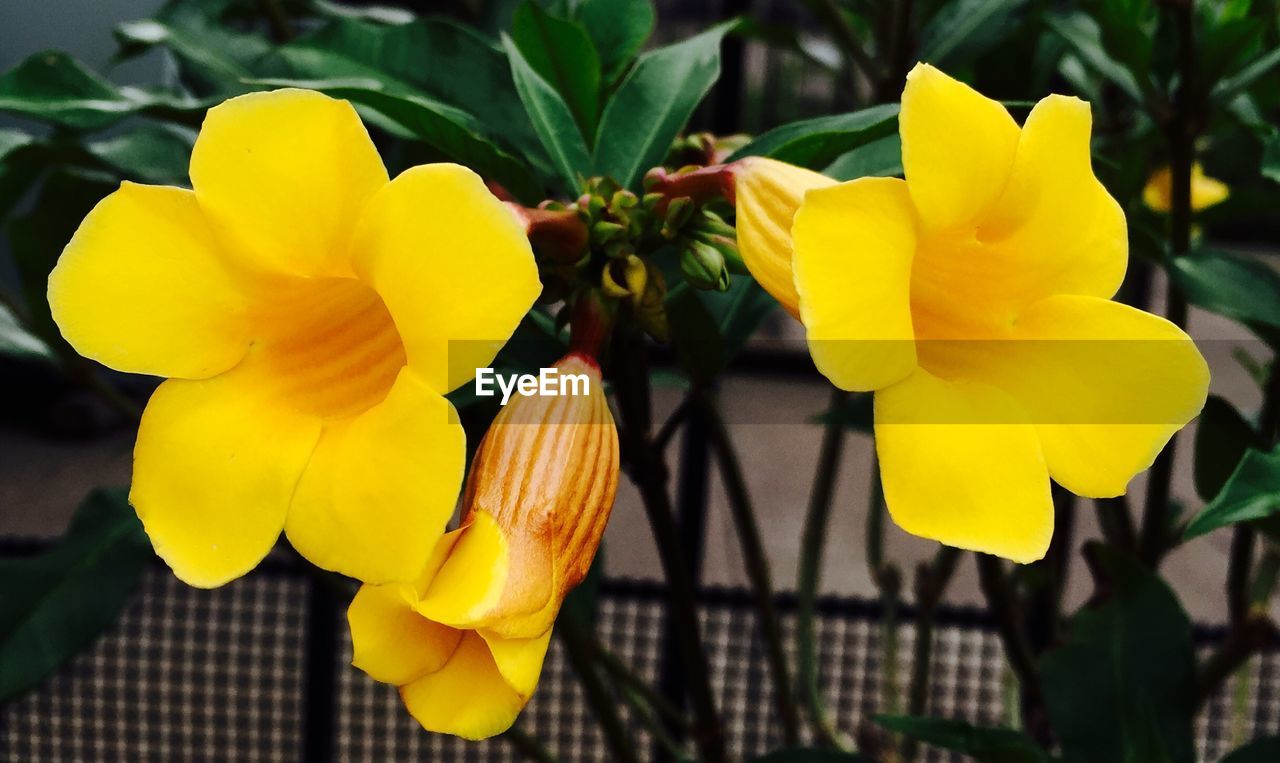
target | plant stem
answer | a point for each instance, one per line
(649, 473)
(1248, 636)
(1181, 131)
(757, 566)
(932, 580)
(578, 649)
(1004, 608)
(811, 546)
(622, 673)
(528, 746)
(1116, 520)
(1044, 608)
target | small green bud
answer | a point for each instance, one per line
(603, 231)
(621, 202)
(703, 266)
(679, 211)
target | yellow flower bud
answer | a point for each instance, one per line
(767, 194)
(1205, 191)
(465, 642)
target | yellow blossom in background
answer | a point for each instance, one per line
(767, 194)
(974, 299)
(1205, 191)
(309, 314)
(465, 641)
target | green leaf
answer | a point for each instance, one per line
(562, 54)
(738, 312)
(879, 158)
(157, 154)
(653, 103)
(1259, 751)
(695, 334)
(216, 59)
(552, 120)
(1252, 492)
(985, 745)
(1126, 667)
(12, 140)
(450, 131)
(53, 87)
(811, 756)
(963, 29)
(1271, 157)
(1229, 87)
(1084, 36)
(382, 14)
(1222, 437)
(54, 605)
(619, 29)
(17, 342)
(1237, 287)
(815, 143)
(445, 61)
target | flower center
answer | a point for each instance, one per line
(332, 349)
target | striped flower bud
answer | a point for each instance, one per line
(466, 641)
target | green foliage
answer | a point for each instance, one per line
(619, 29)
(815, 143)
(54, 605)
(1126, 672)
(964, 29)
(983, 745)
(1242, 288)
(1222, 438)
(562, 54)
(653, 103)
(1251, 493)
(551, 119)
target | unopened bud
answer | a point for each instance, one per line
(703, 266)
(603, 231)
(679, 212)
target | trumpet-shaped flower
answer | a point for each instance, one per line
(1205, 191)
(465, 640)
(309, 314)
(974, 299)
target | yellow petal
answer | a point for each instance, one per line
(519, 660)
(1055, 230)
(468, 697)
(283, 177)
(393, 643)
(767, 194)
(452, 265)
(214, 469)
(957, 148)
(381, 486)
(1106, 384)
(854, 245)
(471, 580)
(1205, 191)
(142, 288)
(960, 465)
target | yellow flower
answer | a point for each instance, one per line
(466, 640)
(974, 299)
(1205, 191)
(766, 195)
(310, 315)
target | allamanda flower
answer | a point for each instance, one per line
(974, 299)
(465, 641)
(309, 314)
(1205, 191)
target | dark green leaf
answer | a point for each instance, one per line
(448, 130)
(12, 140)
(382, 14)
(562, 54)
(1252, 492)
(1237, 287)
(1126, 665)
(1222, 437)
(811, 756)
(150, 153)
(445, 61)
(815, 143)
(1271, 158)
(1084, 36)
(857, 413)
(1228, 88)
(217, 60)
(985, 745)
(1259, 751)
(653, 103)
(552, 120)
(54, 605)
(17, 342)
(695, 334)
(963, 29)
(879, 158)
(738, 312)
(619, 29)
(53, 87)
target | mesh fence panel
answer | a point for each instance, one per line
(193, 675)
